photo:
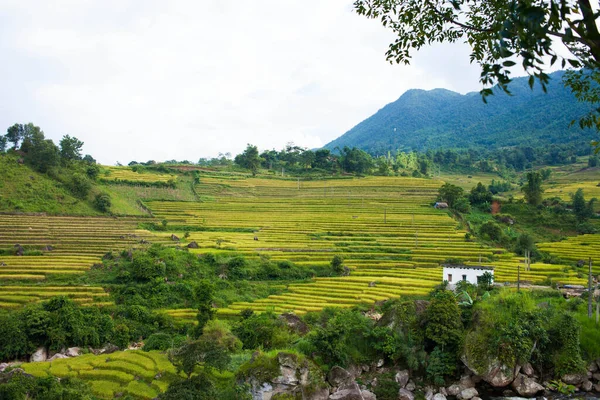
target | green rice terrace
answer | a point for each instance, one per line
(140, 374)
(391, 238)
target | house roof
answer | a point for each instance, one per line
(472, 267)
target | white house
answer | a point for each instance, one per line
(456, 273)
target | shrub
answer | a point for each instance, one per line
(102, 202)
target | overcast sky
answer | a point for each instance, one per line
(142, 79)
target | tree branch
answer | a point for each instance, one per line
(455, 22)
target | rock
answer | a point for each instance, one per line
(527, 369)
(526, 386)
(439, 396)
(453, 390)
(108, 349)
(402, 377)
(429, 394)
(476, 398)
(404, 394)
(495, 373)
(3, 366)
(73, 351)
(318, 394)
(467, 394)
(467, 382)
(338, 376)
(349, 391)
(193, 245)
(410, 386)
(597, 387)
(593, 367)
(587, 386)
(368, 395)
(421, 306)
(596, 376)
(355, 371)
(57, 356)
(294, 323)
(443, 391)
(40, 355)
(573, 379)
(174, 238)
(380, 363)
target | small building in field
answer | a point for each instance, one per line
(456, 273)
(440, 205)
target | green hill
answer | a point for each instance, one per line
(25, 190)
(439, 118)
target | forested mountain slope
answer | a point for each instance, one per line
(439, 118)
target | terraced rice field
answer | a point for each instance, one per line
(70, 246)
(12, 296)
(575, 249)
(127, 175)
(142, 375)
(386, 230)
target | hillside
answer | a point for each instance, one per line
(439, 118)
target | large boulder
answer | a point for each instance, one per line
(295, 323)
(527, 369)
(349, 391)
(368, 395)
(40, 355)
(402, 377)
(526, 386)
(284, 374)
(73, 351)
(193, 245)
(494, 372)
(439, 396)
(404, 394)
(587, 386)
(58, 356)
(573, 379)
(338, 376)
(467, 394)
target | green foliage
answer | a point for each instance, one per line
(80, 186)
(204, 293)
(491, 231)
(582, 210)
(533, 188)
(262, 331)
(249, 159)
(444, 328)
(102, 202)
(387, 388)
(480, 195)
(70, 148)
(450, 194)
(440, 365)
(21, 387)
(525, 243)
(162, 341)
(199, 387)
(337, 265)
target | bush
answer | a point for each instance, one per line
(491, 231)
(162, 341)
(102, 202)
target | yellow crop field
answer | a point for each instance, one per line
(127, 175)
(140, 374)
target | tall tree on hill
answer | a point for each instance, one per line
(249, 159)
(582, 210)
(533, 188)
(14, 134)
(70, 148)
(502, 33)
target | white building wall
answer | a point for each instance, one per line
(458, 273)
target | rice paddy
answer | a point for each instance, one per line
(386, 229)
(139, 374)
(128, 175)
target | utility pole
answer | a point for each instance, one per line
(590, 293)
(519, 277)
(527, 260)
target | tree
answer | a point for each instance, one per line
(582, 210)
(102, 202)
(249, 159)
(204, 293)
(70, 148)
(3, 142)
(41, 153)
(501, 33)
(533, 188)
(450, 193)
(480, 195)
(14, 134)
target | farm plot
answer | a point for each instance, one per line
(136, 373)
(59, 246)
(127, 175)
(389, 235)
(576, 249)
(12, 296)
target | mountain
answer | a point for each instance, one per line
(440, 118)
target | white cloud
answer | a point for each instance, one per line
(139, 80)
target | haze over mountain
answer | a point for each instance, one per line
(440, 118)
